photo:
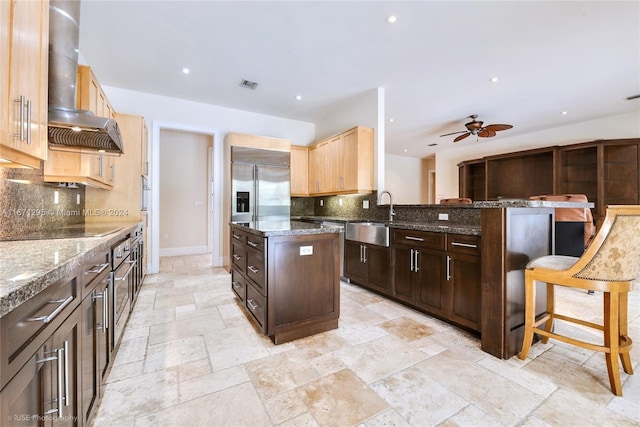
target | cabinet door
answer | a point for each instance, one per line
(334, 170)
(22, 400)
(464, 284)
(431, 293)
(299, 171)
(354, 268)
(66, 344)
(378, 261)
(402, 273)
(25, 80)
(349, 166)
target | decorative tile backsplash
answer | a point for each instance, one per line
(352, 206)
(27, 203)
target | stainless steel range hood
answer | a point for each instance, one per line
(71, 129)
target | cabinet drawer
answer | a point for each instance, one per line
(256, 305)
(238, 256)
(25, 328)
(238, 285)
(255, 242)
(238, 236)
(424, 239)
(256, 269)
(463, 244)
(91, 269)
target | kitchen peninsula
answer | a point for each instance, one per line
(467, 270)
(286, 275)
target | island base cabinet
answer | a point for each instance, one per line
(290, 287)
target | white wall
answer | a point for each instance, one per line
(156, 107)
(613, 127)
(404, 179)
(183, 213)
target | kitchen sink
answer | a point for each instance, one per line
(374, 233)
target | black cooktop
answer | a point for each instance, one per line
(67, 232)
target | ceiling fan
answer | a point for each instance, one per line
(474, 127)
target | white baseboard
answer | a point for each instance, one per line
(188, 250)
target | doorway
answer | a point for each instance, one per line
(186, 180)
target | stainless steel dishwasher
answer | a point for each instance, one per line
(339, 225)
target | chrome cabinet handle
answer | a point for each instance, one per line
(236, 257)
(464, 245)
(235, 285)
(100, 268)
(48, 318)
(102, 295)
(253, 269)
(416, 263)
(253, 244)
(411, 261)
(448, 268)
(133, 264)
(361, 257)
(65, 349)
(364, 252)
(252, 304)
(29, 122)
(21, 133)
(237, 236)
(418, 239)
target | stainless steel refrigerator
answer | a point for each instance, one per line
(260, 188)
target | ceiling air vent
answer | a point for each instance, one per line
(248, 84)
(629, 98)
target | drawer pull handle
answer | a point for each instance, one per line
(250, 243)
(46, 319)
(126, 275)
(235, 285)
(252, 304)
(236, 257)
(253, 269)
(237, 236)
(448, 268)
(417, 239)
(464, 245)
(97, 268)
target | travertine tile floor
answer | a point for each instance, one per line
(191, 357)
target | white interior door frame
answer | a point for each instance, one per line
(215, 182)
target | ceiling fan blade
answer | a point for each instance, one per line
(497, 127)
(453, 133)
(486, 133)
(461, 137)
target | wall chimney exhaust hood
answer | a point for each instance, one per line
(71, 129)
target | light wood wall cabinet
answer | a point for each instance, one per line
(94, 169)
(342, 164)
(124, 201)
(606, 171)
(24, 44)
(299, 171)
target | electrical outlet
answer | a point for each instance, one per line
(340, 202)
(365, 204)
(165, 236)
(321, 202)
(77, 199)
(443, 217)
(306, 250)
(55, 197)
(198, 203)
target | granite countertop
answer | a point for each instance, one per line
(286, 228)
(506, 203)
(473, 230)
(29, 266)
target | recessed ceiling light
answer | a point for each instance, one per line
(391, 120)
(391, 19)
(431, 145)
(405, 150)
(494, 80)
(564, 113)
(298, 97)
(185, 70)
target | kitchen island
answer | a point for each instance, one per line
(286, 276)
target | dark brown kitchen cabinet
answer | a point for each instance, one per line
(289, 285)
(606, 171)
(46, 390)
(438, 273)
(368, 265)
(96, 349)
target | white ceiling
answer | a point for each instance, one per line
(435, 62)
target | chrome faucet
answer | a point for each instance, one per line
(391, 212)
